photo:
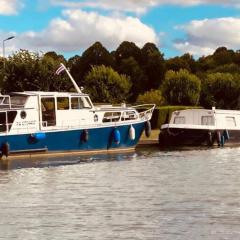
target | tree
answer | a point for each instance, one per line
(152, 96)
(131, 68)
(220, 90)
(106, 85)
(126, 50)
(223, 56)
(226, 68)
(153, 65)
(55, 57)
(29, 71)
(177, 63)
(95, 55)
(181, 88)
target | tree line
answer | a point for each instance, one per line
(131, 74)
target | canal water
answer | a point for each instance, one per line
(147, 194)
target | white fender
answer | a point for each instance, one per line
(132, 133)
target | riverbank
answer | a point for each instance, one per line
(152, 140)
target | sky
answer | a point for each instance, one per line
(69, 27)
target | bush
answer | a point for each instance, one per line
(181, 88)
(106, 85)
(152, 96)
(221, 90)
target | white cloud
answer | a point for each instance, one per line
(10, 7)
(137, 6)
(203, 37)
(78, 29)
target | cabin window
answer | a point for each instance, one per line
(4, 102)
(86, 102)
(3, 126)
(80, 102)
(230, 122)
(179, 120)
(207, 120)
(48, 111)
(111, 116)
(130, 115)
(62, 103)
(18, 101)
(11, 115)
(76, 103)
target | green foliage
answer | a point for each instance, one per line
(26, 71)
(106, 85)
(127, 49)
(221, 90)
(152, 96)
(131, 68)
(226, 68)
(153, 65)
(223, 56)
(95, 55)
(145, 68)
(181, 88)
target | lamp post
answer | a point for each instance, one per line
(9, 38)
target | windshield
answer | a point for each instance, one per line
(18, 101)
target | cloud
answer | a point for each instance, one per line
(10, 7)
(137, 6)
(204, 36)
(77, 30)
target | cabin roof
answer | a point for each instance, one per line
(42, 93)
(203, 110)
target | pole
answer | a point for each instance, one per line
(73, 81)
(9, 38)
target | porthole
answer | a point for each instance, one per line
(23, 114)
(95, 118)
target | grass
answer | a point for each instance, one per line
(153, 136)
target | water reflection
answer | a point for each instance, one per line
(46, 161)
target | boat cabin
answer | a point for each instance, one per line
(27, 112)
(202, 118)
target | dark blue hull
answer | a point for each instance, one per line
(71, 140)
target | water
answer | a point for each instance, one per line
(149, 194)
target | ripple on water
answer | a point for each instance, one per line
(191, 194)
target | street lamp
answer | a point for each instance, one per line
(9, 38)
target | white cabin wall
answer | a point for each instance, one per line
(28, 125)
(71, 118)
(192, 116)
(32, 102)
(31, 122)
(221, 122)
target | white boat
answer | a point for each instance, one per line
(201, 127)
(35, 121)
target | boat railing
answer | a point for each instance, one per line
(145, 110)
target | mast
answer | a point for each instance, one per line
(70, 76)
